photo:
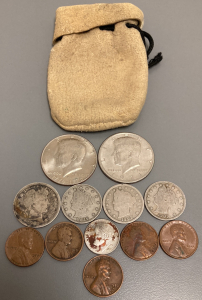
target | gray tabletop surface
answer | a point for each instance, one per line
(170, 121)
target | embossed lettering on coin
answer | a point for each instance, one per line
(139, 240)
(103, 276)
(69, 159)
(178, 239)
(101, 236)
(36, 204)
(123, 203)
(81, 203)
(64, 241)
(126, 157)
(24, 247)
(165, 200)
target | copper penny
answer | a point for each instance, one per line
(102, 276)
(69, 159)
(178, 239)
(64, 241)
(24, 247)
(139, 240)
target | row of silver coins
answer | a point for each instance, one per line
(71, 159)
(38, 204)
(64, 241)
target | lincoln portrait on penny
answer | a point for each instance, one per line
(99, 285)
(126, 153)
(62, 249)
(178, 245)
(22, 255)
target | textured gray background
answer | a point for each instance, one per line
(170, 121)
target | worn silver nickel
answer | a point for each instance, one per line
(126, 157)
(36, 205)
(165, 200)
(81, 203)
(69, 159)
(123, 203)
(101, 236)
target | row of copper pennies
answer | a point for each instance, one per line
(70, 160)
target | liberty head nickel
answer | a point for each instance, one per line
(126, 157)
(165, 200)
(69, 159)
(81, 203)
(36, 205)
(102, 276)
(123, 203)
(101, 236)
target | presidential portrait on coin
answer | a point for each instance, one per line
(100, 284)
(140, 246)
(178, 245)
(22, 255)
(69, 155)
(126, 153)
(63, 247)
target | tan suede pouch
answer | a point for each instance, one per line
(97, 79)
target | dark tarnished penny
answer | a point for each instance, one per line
(178, 239)
(64, 241)
(69, 159)
(126, 157)
(36, 205)
(102, 276)
(24, 247)
(139, 240)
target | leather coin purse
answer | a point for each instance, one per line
(98, 69)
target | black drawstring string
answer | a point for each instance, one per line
(144, 35)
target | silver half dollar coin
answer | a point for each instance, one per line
(69, 159)
(81, 203)
(36, 205)
(165, 200)
(123, 203)
(126, 157)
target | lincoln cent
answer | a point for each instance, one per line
(103, 276)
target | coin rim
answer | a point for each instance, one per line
(58, 210)
(88, 220)
(143, 258)
(67, 135)
(197, 240)
(67, 223)
(37, 233)
(103, 255)
(113, 225)
(104, 202)
(116, 180)
(162, 219)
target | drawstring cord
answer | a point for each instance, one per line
(154, 61)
